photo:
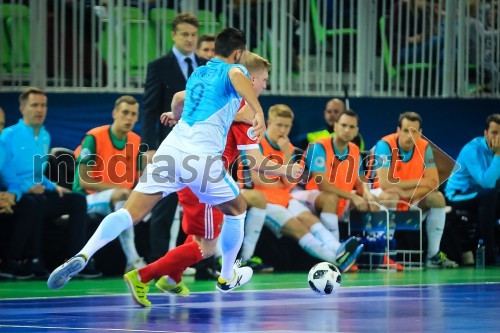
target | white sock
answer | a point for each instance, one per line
(331, 222)
(435, 228)
(314, 247)
(127, 240)
(231, 238)
(109, 229)
(320, 232)
(253, 226)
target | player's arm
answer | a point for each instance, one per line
(178, 104)
(245, 115)
(89, 183)
(261, 179)
(262, 164)
(244, 88)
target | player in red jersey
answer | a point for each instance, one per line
(203, 222)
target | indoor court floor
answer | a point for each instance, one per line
(458, 300)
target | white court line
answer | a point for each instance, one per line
(100, 329)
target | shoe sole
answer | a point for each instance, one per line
(350, 247)
(61, 275)
(132, 292)
(354, 257)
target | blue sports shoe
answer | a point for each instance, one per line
(347, 253)
(62, 274)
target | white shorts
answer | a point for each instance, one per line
(307, 198)
(100, 202)
(172, 170)
(277, 216)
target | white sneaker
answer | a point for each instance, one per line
(62, 274)
(241, 276)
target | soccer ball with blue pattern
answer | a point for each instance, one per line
(324, 278)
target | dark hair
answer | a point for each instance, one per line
(23, 98)
(205, 38)
(185, 18)
(228, 41)
(495, 118)
(349, 113)
(411, 116)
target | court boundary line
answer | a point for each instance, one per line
(250, 291)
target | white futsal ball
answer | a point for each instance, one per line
(324, 278)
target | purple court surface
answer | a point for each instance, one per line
(424, 308)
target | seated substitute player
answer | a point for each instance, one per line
(334, 164)
(108, 168)
(475, 186)
(286, 215)
(190, 156)
(408, 173)
(201, 221)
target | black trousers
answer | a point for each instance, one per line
(24, 229)
(485, 205)
(73, 204)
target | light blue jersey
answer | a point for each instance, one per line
(209, 109)
(477, 168)
(29, 154)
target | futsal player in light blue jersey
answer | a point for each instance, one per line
(190, 156)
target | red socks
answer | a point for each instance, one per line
(173, 263)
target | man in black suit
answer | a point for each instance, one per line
(166, 76)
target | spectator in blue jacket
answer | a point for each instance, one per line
(27, 144)
(475, 185)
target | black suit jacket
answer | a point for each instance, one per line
(164, 78)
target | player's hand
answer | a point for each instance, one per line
(7, 209)
(37, 189)
(360, 203)
(7, 198)
(495, 145)
(295, 170)
(61, 190)
(283, 142)
(259, 127)
(168, 119)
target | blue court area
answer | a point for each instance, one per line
(425, 308)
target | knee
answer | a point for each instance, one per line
(119, 194)
(234, 207)
(208, 248)
(255, 198)
(436, 200)
(326, 202)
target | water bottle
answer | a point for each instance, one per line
(480, 254)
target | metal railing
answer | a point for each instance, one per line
(448, 48)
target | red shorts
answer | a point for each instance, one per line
(199, 219)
